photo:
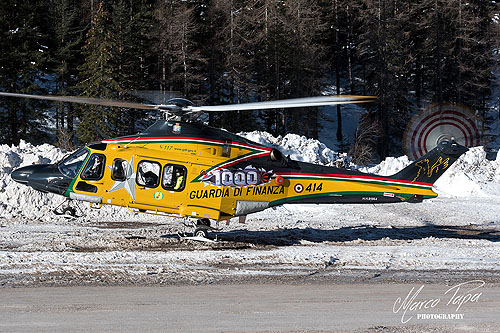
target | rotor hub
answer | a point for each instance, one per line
(438, 123)
(445, 137)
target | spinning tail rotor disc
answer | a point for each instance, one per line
(438, 123)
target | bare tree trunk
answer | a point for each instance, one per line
(349, 50)
(184, 62)
(438, 55)
(337, 71)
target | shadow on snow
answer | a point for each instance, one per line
(292, 236)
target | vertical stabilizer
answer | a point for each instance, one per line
(428, 168)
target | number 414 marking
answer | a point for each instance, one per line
(314, 187)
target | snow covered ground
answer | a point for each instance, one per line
(457, 232)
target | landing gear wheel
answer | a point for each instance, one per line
(198, 229)
(68, 208)
(200, 232)
(69, 211)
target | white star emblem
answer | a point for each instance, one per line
(129, 183)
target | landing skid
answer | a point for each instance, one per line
(67, 209)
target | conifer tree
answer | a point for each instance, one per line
(98, 79)
(209, 19)
(180, 61)
(384, 50)
(304, 69)
(409, 54)
(270, 56)
(131, 24)
(69, 34)
(23, 67)
(237, 58)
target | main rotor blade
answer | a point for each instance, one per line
(159, 97)
(288, 103)
(279, 104)
(85, 100)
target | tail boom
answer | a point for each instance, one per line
(412, 184)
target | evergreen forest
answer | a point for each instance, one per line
(408, 53)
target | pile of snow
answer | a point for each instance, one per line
(389, 166)
(19, 200)
(471, 176)
(298, 147)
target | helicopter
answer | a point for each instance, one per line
(193, 171)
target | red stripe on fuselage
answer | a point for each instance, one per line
(352, 176)
(184, 138)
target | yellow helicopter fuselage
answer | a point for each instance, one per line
(197, 174)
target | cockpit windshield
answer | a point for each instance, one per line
(72, 164)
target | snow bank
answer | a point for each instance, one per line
(389, 166)
(471, 176)
(297, 147)
(16, 199)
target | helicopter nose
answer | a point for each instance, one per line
(22, 175)
(42, 177)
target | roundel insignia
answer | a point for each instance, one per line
(298, 188)
(158, 195)
(437, 123)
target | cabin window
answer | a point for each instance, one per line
(94, 168)
(174, 177)
(119, 169)
(86, 187)
(72, 164)
(148, 174)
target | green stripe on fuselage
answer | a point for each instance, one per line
(345, 193)
(368, 181)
